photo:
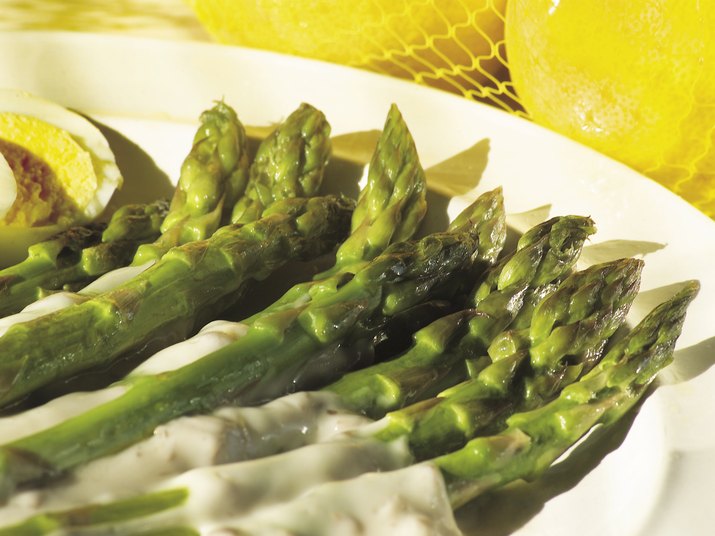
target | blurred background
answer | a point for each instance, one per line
(634, 80)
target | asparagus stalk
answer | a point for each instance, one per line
(533, 440)
(544, 254)
(390, 208)
(213, 177)
(582, 314)
(254, 368)
(79, 255)
(188, 280)
(527, 447)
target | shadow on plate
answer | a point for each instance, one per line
(144, 181)
(611, 250)
(454, 177)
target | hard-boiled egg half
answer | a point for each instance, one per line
(56, 170)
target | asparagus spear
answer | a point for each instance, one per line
(393, 202)
(213, 177)
(583, 313)
(390, 208)
(545, 253)
(289, 163)
(256, 367)
(188, 280)
(79, 255)
(533, 440)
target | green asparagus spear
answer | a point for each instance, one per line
(544, 254)
(187, 281)
(533, 440)
(582, 314)
(100, 514)
(213, 177)
(289, 163)
(390, 208)
(79, 255)
(392, 204)
(254, 368)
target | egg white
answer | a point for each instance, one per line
(8, 187)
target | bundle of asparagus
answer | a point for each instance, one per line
(213, 176)
(524, 446)
(494, 390)
(197, 276)
(259, 365)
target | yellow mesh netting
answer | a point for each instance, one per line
(459, 46)
(455, 45)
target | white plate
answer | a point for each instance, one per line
(652, 477)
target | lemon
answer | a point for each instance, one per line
(450, 43)
(634, 80)
(56, 170)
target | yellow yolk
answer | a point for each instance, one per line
(54, 174)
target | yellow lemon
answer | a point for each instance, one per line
(449, 43)
(635, 80)
(56, 170)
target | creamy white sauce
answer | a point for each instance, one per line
(61, 300)
(37, 419)
(114, 279)
(406, 502)
(227, 436)
(225, 493)
(212, 337)
(48, 304)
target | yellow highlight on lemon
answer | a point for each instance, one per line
(635, 80)
(452, 44)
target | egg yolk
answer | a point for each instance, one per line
(54, 174)
(40, 199)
